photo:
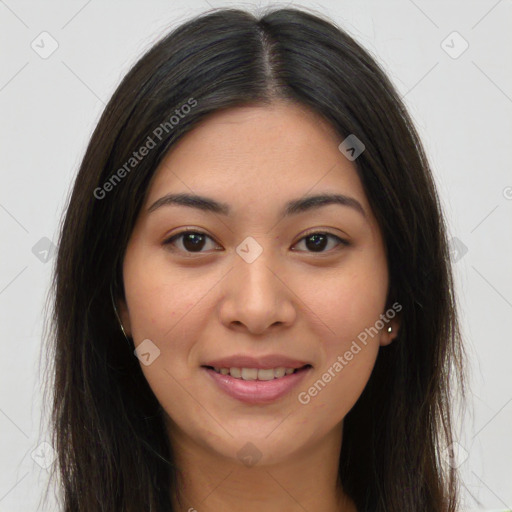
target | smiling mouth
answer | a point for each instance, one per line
(260, 374)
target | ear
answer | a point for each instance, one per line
(386, 337)
(124, 316)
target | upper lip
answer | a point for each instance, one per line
(262, 362)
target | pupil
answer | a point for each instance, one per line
(318, 244)
(193, 241)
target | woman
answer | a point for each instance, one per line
(254, 304)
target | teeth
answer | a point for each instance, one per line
(255, 373)
(235, 372)
(279, 372)
(262, 374)
(248, 373)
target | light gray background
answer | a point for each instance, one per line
(462, 107)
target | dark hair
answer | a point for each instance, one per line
(113, 450)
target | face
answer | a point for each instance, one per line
(300, 287)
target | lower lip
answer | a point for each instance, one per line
(257, 391)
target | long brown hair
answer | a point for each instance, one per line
(113, 451)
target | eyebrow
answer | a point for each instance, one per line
(293, 207)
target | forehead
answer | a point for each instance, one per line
(259, 156)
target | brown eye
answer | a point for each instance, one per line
(318, 241)
(192, 241)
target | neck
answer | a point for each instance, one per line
(308, 480)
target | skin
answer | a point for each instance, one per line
(310, 305)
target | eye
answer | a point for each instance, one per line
(318, 240)
(193, 241)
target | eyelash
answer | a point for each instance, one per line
(342, 242)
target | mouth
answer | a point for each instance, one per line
(256, 386)
(261, 374)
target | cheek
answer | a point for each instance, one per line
(351, 298)
(339, 384)
(349, 302)
(349, 350)
(167, 307)
(159, 297)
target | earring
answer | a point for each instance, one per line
(390, 329)
(117, 316)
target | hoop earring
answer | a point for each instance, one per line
(117, 316)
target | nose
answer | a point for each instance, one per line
(256, 297)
